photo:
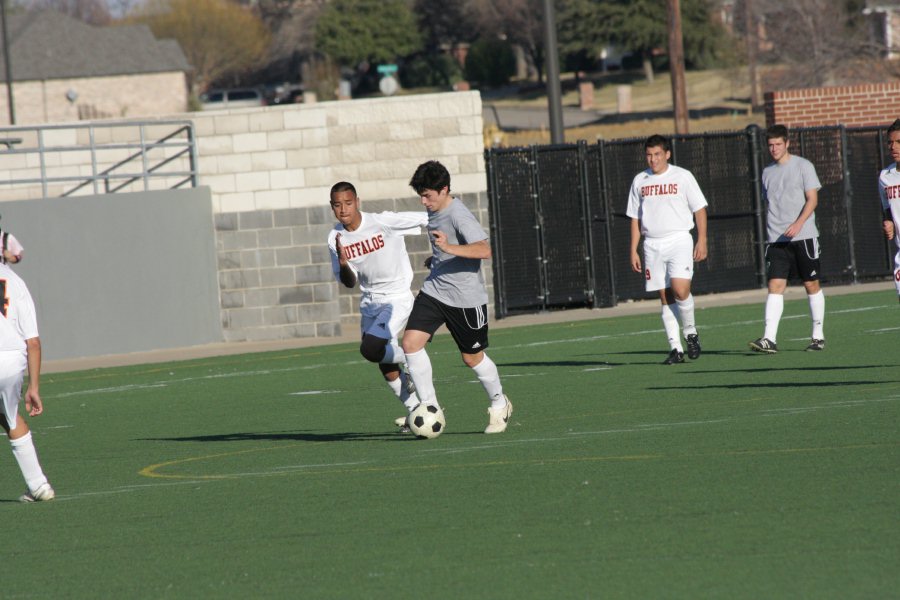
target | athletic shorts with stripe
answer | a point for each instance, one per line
(787, 260)
(468, 326)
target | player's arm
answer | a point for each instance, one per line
(700, 249)
(345, 274)
(479, 250)
(888, 223)
(812, 200)
(33, 403)
(635, 241)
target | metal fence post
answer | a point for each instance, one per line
(848, 203)
(758, 208)
(584, 198)
(496, 245)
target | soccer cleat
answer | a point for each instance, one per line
(410, 386)
(499, 418)
(674, 357)
(44, 493)
(400, 421)
(764, 345)
(816, 345)
(693, 346)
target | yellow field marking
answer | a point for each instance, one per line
(151, 471)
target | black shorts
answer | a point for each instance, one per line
(787, 260)
(468, 326)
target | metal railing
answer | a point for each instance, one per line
(151, 147)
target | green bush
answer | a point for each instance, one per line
(430, 70)
(490, 62)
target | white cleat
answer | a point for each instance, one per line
(499, 418)
(44, 493)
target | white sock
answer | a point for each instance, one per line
(396, 386)
(490, 379)
(817, 312)
(670, 322)
(393, 354)
(686, 308)
(774, 308)
(26, 456)
(420, 368)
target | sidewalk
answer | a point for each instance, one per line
(794, 292)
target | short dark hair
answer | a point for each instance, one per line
(895, 126)
(657, 141)
(430, 175)
(777, 131)
(342, 186)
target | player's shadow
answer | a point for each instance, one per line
(561, 363)
(786, 384)
(774, 369)
(289, 436)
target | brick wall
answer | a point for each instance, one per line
(853, 106)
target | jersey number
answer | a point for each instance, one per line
(647, 274)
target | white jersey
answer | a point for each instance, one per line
(18, 319)
(665, 203)
(889, 191)
(378, 252)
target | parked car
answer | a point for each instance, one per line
(233, 98)
(285, 93)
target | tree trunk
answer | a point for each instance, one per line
(648, 66)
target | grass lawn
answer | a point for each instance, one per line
(281, 475)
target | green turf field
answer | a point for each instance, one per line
(280, 474)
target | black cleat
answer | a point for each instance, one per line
(764, 345)
(674, 357)
(693, 346)
(816, 345)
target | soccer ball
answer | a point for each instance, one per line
(427, 421)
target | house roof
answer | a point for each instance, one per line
(50, 45)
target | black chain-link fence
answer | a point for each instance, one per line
(561, 237)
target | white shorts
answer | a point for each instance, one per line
(897, 271)
(384, 316)
(667, 258)
(12, 372)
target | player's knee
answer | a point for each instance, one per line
(472, 360)
(372, 350)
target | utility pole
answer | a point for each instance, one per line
(752, 48)
(676, 67)
(554, 95)
(7, 64)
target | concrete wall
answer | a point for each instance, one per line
(119, 273)
(121, 96)
(269, 171)
(851, 105)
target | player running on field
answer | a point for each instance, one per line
(453, 294)
(20, 349)
(664, 202)
(889, 191)
(369, 249)
(791, 188)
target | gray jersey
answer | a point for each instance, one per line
(454, 280)
(785, 188)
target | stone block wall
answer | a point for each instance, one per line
(275, 274)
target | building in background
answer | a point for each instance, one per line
(65, 70)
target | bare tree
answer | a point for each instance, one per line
(818, 43)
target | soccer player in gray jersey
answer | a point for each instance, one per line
(791, 188)
(453, 294)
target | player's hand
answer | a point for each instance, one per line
(33, 403)
(700, 251)
(889, 229)
(636, 263)
(428, 261)
(793, 230)
(341, 251)
(440, 240)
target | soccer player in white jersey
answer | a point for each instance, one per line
(20, 349)
(369, 249)
(664, 202)
(889, 191)
(791, 188)
(453, 294)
